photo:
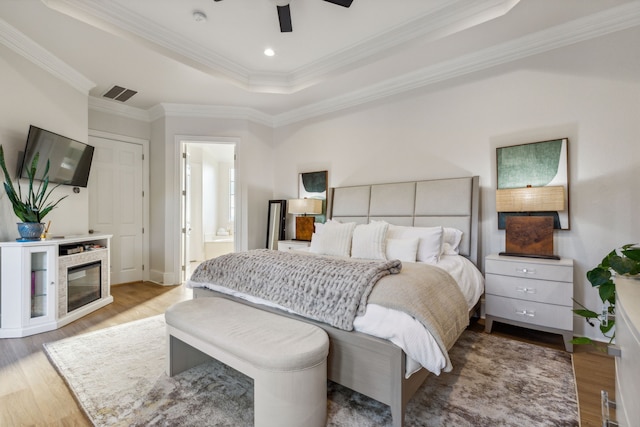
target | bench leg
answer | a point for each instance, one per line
(181, 356)
(291, 399)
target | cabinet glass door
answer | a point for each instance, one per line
(39, 284)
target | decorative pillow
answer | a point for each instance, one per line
(403, 249)
(335, 239)
(451, 238)
(317, 227)
(430, 244)
(369, 240)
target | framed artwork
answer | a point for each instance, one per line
(313, 185)
(536, 164)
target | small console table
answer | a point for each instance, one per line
(49, 283)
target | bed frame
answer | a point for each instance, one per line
(361, 362)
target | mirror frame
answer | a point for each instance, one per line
(276, 228)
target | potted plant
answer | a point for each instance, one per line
(624, 262)
(35, 205)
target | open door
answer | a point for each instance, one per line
(207, 202)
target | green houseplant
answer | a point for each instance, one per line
(34, 205)
(623, 261)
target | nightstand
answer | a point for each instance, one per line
(292, 245)
(530, 292)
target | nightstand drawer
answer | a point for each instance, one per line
(534, 313)
(542, 270)
(559, 293)
(292, 245)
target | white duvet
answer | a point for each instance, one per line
(396, 326)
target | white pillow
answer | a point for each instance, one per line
(317, 227)
(451, 238)
(430, 244)
(369, 240)
(403, 249)
(335, 239)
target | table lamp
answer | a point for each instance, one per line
(304, 223)
(529, 231)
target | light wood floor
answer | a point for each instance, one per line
(33, 394)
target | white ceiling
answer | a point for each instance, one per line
(335, 56)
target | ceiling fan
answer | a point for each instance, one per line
(284, 12)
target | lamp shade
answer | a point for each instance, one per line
(530, 199)
(305, 206)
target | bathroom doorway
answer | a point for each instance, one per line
(208, 202)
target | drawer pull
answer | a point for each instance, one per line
(526, 270)
(529, 313)
(526, 290)
(605, 404)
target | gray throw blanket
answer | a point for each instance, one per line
(330, 290)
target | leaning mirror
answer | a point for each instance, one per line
(275, 222)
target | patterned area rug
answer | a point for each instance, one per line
(118, 376)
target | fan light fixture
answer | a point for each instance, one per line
(199, 16)
(269, 52)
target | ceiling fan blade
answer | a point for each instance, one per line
(284, 15)
(344, 3)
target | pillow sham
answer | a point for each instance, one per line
(403, 249)
(451, 238)
(335, 239)
(429, 245)
(317, 227)
(369, 240)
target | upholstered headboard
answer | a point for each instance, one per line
(450, 202)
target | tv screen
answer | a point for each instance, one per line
(69, 160)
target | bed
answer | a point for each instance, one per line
(368, 364)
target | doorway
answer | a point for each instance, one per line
(208, 202)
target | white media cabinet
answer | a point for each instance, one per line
(33, 282)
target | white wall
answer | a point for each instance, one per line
(33, 96)
(119, 125)
(454, 131)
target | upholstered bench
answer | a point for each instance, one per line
(287, 359)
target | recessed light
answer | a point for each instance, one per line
(269, 52)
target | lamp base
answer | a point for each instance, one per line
(529, 235)
(304, 227)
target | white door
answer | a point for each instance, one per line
(116, 204)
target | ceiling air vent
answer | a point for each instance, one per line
(119, 93)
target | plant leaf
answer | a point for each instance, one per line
(623, 265)
(631, 251)
(599, 276)
(608, 292)
(581, 340)
(604, 329)
(586, 313)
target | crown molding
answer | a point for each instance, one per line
(112, 17)
(453, 16)
(30, 50)
(179, 110)
(211, 111)
(586, 28)
(600, 24)
(118, 109)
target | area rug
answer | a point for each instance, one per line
(118, 377)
